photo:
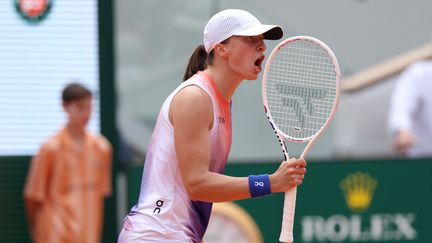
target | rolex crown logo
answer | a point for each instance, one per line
(358, 189)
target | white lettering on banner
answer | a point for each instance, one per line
(376, 227)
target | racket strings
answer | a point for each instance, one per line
(301, 88)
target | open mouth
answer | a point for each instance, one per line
(259, 61)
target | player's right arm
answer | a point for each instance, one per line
(191, 113)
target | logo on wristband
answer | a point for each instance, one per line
(259, 183)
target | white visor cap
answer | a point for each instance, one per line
(232, 22)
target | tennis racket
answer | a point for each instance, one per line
(300, 89)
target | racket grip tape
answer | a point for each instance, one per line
(288, 216)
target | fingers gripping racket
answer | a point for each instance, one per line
(300, 91)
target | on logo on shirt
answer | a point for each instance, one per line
(159, 204)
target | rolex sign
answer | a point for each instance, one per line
(364, 202)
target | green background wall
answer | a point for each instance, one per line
(399, 211)
(13, 224)
(400, 207)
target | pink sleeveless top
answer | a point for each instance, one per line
(164, 212)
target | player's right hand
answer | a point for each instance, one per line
(290, 174)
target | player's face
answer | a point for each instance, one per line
(246, 55)
(79, 111)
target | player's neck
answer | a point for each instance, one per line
(226, 82)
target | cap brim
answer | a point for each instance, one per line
(270, 32)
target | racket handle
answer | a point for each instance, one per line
(288, 216)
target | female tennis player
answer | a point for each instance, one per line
(192, 138)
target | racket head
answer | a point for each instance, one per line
(300, 88)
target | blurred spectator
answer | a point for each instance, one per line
(410, 117)
(69, 178)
